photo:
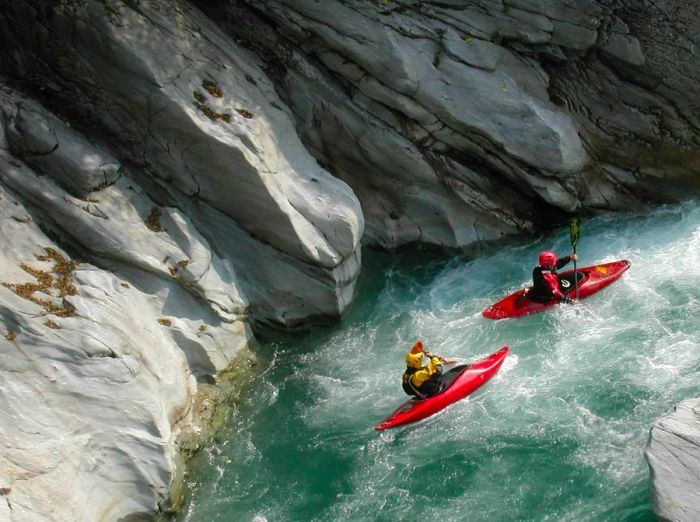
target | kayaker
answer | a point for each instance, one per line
(423, 381)
(545, 281)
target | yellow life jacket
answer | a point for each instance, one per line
(414, 378)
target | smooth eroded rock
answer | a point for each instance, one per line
(673, 454)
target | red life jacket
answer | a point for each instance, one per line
(553, 281)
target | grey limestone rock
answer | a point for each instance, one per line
(3, 134)
(196, 114)
(484, 100)
(194, 194)
(117, 221)
(673, 454)
(97, 378)
(548, 97)
(45, 143)
(222, 160)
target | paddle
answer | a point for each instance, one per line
(574, 233)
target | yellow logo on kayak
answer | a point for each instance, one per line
(602, 269)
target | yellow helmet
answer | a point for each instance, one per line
(414, 360)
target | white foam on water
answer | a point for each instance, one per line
(557, 434)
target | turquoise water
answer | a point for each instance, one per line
(557, 435)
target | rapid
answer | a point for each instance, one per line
(557, 435)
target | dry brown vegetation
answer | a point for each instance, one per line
(245, 113)
(57, 283)
(201, 101)
(212, 88)
(153, 220)
(211, 113)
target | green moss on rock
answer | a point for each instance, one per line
(211, 411)
(213, 403)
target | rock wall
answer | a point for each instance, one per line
(155, 203)
(98, 371)
(673, 454)
(203, 129)
(174, 173)
(456, 122)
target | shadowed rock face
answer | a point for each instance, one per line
(154, 204)
(198, 119)
(216, 164)
(508, 114)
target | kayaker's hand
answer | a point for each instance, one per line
(573, 257)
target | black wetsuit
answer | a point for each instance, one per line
(541, 292)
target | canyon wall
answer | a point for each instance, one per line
(174, 175)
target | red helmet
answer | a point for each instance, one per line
(414, 358)
(417, 348)
(548, 259)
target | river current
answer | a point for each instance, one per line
(557, 435)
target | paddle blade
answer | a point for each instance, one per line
(575, 231)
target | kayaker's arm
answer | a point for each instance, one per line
(426, 372)
(565, 260)
(442, 359)
(434, 364)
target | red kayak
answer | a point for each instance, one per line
(590, 280)
(459, 382)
